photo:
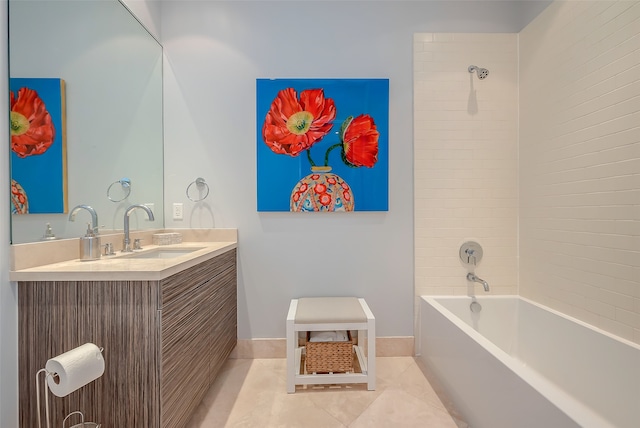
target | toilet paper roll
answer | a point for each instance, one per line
(74, 369)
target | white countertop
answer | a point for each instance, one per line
(56, 261)
(121, 266)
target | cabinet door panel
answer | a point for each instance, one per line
(121, 317)
(46, 328)
(224, 320)
(185, 355)
(178, 285)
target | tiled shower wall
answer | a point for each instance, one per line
(465, 160)
(580, 162)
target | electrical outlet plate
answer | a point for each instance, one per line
(177, 211)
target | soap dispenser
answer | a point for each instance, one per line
(89, 245)
(48, 234)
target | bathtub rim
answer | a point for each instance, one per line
(574, 409)
(433, 298)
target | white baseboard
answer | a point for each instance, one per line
(395, 346)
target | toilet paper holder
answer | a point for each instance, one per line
(54, 375)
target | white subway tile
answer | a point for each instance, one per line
(615, 327)
(578, 169)
(618, 300)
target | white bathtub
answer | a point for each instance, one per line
(517, 364)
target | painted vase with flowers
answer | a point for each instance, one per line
(294, 125)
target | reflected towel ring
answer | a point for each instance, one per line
(200, 184)
(126, 186)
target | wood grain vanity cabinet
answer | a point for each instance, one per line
(164, 342)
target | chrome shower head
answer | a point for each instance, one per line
(481, 72)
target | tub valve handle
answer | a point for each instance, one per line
(470, 254)
(471, 258)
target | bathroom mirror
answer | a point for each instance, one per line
(112, 69)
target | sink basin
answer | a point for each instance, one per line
(162, 253)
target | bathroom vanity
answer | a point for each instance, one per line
(166, 326)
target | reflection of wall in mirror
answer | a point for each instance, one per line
(113, 77)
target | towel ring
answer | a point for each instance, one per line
(126, 186)
(200, 184)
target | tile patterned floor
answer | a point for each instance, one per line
(252, 393)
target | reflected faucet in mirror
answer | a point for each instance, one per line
(94, 216)
(126, 247)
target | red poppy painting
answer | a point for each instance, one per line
(294, 124)
(361, 141)
(337, 132)
(38, 146)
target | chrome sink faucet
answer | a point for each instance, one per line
(474, 278)
(126, 248)
(94, 216)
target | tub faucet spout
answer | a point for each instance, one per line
(126, 248)
(474, 278)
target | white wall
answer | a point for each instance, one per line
(8, 297)
(465, 161)
(580, 162)
(214, 52)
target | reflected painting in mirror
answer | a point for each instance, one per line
(38, 146)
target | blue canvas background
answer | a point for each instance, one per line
(42, 176)
(278, 174)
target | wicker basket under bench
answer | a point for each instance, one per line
(329, 357)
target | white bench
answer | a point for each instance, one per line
(327, 314)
